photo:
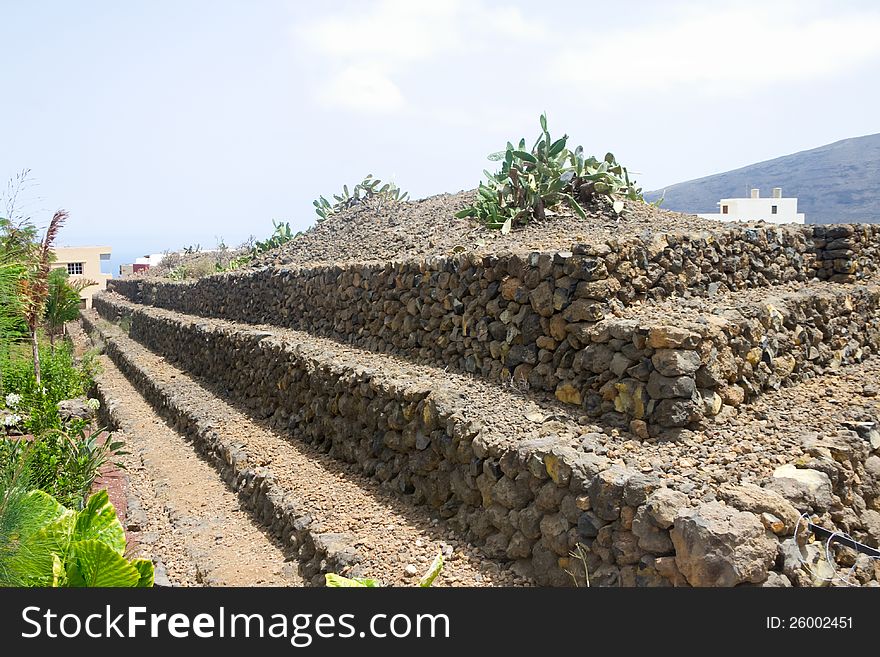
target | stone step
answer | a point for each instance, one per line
(519, 476)
(330, 520)
(511, 317)
(185, 519)
(681, 362)
(678, 362)
(434, 437)
(523, 479)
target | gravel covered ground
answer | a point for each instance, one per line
(428, 227)
(191, 525)
(749, 444)
(679, 311)
(390, 533)
(371, 232)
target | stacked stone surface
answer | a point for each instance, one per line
(562, 411)
(545, 320)
(531, 497)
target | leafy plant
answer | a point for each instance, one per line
(368, 188)
(532, 182)
(62, 301)
(12, 326)
(238, 263)
(43, 543)
(35, 287)
(338, 581)
(281, 235)
(63, 378)
(177, 273)
(63, 462)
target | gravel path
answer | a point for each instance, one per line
(682, 310)
(191, 523)
(391, 534)
(370, 232)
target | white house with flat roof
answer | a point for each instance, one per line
(774, 210)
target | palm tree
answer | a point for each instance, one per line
(35, 288)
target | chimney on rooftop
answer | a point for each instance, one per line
(756, 193)
(777, 192)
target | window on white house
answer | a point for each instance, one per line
(773, 209)
(723, 209)
(74, 268)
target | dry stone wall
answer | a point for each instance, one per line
(844, 252)
(319, 551)
(531, 318)
(668, 376)
(528, 501)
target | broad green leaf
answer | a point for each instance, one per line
(556, 185)
(434, 570)
(338, 581)
(146, 572)
(59, 577)
(575, 205)
(544, 122)
(98, 521)
(557, 146)
(525, 156)
(43, 530)
(92, 563)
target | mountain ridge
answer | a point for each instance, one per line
(834, 183)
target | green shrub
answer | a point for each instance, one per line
(62, 379)
(533, 182)
(281, 235)
(63, 463)
(369, 187)
(42, 543)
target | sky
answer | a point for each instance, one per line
(160, 124)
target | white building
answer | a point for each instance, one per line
(774, 210)
(141, 264)
(151, 260)
(84, 263)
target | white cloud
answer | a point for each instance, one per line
(370, 48)
(728, 52)
(361, 88)
(390, 30)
